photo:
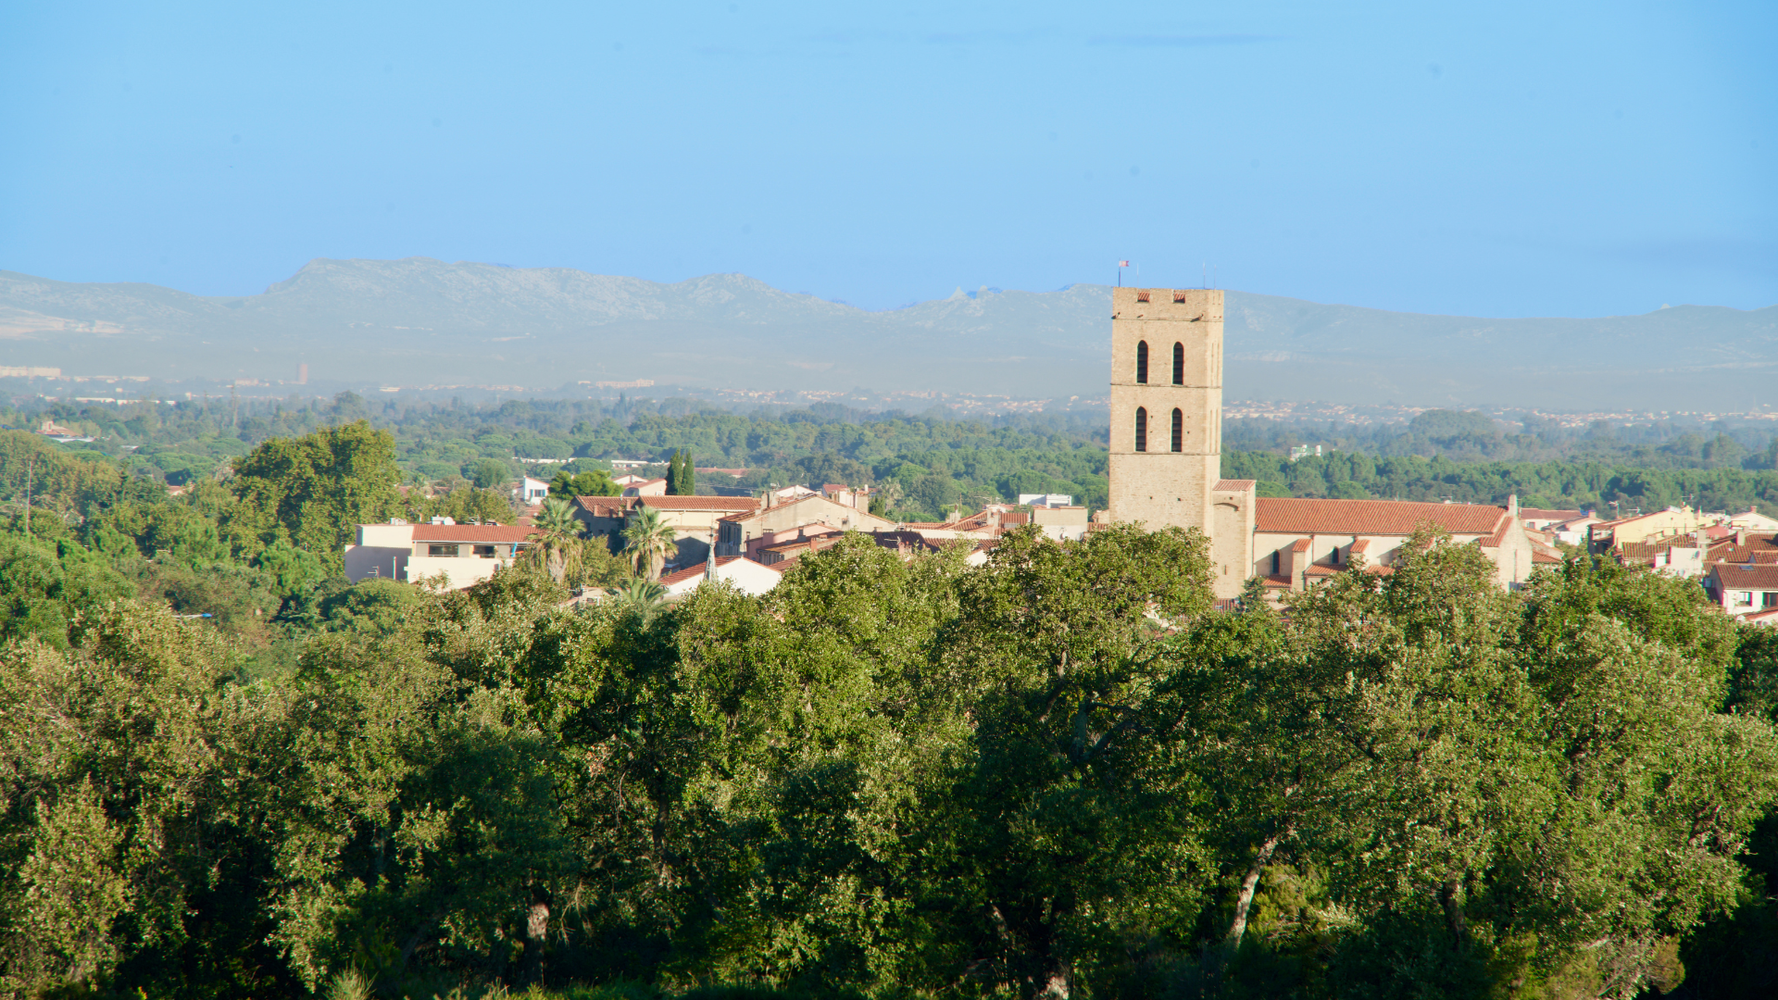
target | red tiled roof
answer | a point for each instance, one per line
(689, 572)
(1541, 514)
(699, 503)
(756, 511)
(606, 506)
(1233, 485)
(1295, 515)
(1636, 517)
(1746, 576)
(482, 533)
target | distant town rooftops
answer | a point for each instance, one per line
(483, 533)
(1296, 515)
(699, 503)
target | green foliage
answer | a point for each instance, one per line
(1057, 771)
(649, 540)
(682, 478)
(596, 483)
(312, 491)
(488, 473)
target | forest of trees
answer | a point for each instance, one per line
(227, 772)
(934, 464)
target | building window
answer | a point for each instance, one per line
(1277, 561)
(1142, 362)
(485, 551)
(1178, 364)
(1771, 599)
(1178, 430)
(1141, 428)
(1334, 556)
(441, 550)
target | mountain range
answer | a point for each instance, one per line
(421, 321)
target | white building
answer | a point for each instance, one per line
(532, 490)
(465, 553)
(746, 575)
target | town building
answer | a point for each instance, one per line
(1166, 425)
(531, 491)
(1743, 588)
(1607, 535)
(1166, 457)
(694, 521)
(745, 575)
(1752, 520)
(465, 554)
(747, 532)
(1300, 541)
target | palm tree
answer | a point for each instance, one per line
(556, 548)
(649, 539)
(645, 597)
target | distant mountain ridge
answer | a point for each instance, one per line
(418, 320)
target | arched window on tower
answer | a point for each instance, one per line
(1141, 428)
(1178, 430)
(1178, 364)
(1142, 362)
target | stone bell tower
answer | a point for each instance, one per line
(1166, 424)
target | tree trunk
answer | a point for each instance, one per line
(1454, 919)
(1250, 884)
(536, 931)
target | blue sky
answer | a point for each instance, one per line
(1505, 159)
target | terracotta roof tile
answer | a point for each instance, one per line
(699, 503)
(1233, 485)
(680, 576)
(606, 506)
(483, 533)
(757, 511)
(1746, 576)
(1295, 515)
(1541, 514)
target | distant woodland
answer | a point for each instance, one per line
(934, 463)
(226, 772)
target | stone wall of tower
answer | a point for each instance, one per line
(1160, 486)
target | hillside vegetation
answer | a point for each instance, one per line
(227, 772)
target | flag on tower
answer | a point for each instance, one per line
(1123, 263)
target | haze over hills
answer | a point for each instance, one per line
(421, 321)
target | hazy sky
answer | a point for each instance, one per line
(1494, 159)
